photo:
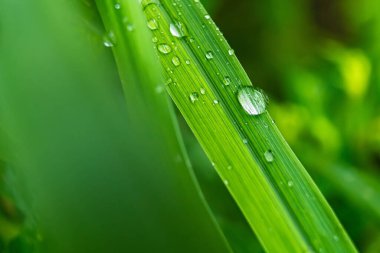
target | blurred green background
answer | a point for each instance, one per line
(319, 62)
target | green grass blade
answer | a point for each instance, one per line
(274, 191)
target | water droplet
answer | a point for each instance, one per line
(231, 52)
(229, 167)
(164, 48)
(290, 183)
(253, 101)
(203, 91)
(152, 24)
(209, 55)
(178, 29)
(227, 81)
(269, 156)
(216, 101)
(109, 40)
(194, 97)
(336, 238)
(176, 61)
(245, 141)
(154, 39)
(117, 6)
(188, 62)
(207, 16)
(225, 182)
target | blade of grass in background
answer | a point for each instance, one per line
(207, 83)
(98, 177)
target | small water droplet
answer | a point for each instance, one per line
(336, 238)
(231, 52)
(229, 167)
(194, 97)
(225, 182)
(117, 6)
(227, 80)
(253, 101)
(245, 141)
(216, 101)
(290, 183)
(188, 62)
(203, 91)
(207, 16)
(109, 40)
(154, 39)
(164, 48)
(269, 156)
(176, 61)
(209, 55)
(152, 24)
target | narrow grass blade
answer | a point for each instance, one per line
(206, 81)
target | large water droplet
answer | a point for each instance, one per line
(152, 24)
(269, 156)
(178, 29)
(164, 48)
(253, 101)
(194, 97)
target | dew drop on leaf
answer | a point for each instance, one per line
(193, 97)
(176, 61)
(269, 156)
(227, 80)
(109, 40)
(178, 29)
(253, 101)
(164, 48)
(209, 55)
(152, 24)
